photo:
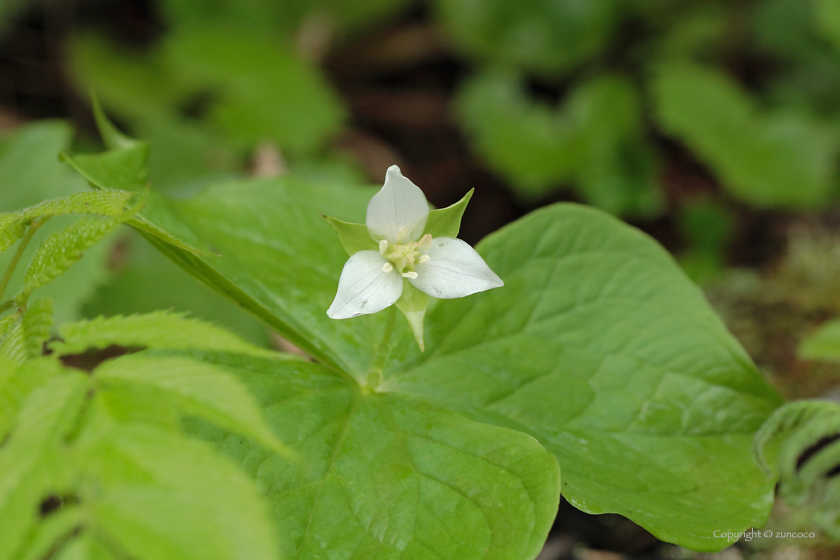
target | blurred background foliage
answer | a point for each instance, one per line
(713, 125)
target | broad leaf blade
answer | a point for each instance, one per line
(600, 348)
(386, 475)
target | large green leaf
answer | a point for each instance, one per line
(387, 476)
(598, 346)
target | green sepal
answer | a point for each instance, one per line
(413, 304)
(446, 222)
(353, 237)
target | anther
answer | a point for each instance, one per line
(425, 242)
(387, 267)
(424, 259)
(411, 275)
(383, 246)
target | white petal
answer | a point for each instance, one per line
(364, 287)
(453, 270)
(399, 204)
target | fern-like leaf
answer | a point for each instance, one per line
(803, 440)
(112, 203)
(37, 322)
(13, 344)
(61, 250)
(162, 330)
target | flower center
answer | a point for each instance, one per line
(403, 257)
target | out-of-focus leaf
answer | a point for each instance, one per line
(780, 159)
(549, 36)
(824, 344)
(827, 14)
(17, 382)
(263, 91)
(200, 389)
(188, 504)
(594, 141)
(160, 329)
(28, 468)
(148, 281)
(31, 174)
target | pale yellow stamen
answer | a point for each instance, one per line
(411, 275)
(387, 267)
(425, 242)
(424, 259)
(383, 246)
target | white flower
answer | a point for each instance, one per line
(441, 267)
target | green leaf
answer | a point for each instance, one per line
(13, 344)
(823, 344)
(37, 322)
(193, 505)
(600, 348)
(353, 237)
(28, 468)
(148, 281)
(61, 250)
(546, 36)
(285, 268)
(199, 389)
(446, 222)
(262, 90)
(109, 203)
(51, 531)
(776, 159)
(32, 174)
(827, 16)
(801, 438)
(160, 329)
(595, 140)
(386, 475)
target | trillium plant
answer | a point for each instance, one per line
(596, 369)
(408, 258)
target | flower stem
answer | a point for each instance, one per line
(374, 378)
(8, 276)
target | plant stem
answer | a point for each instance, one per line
(6, 305)
(375, 376)
(19, 253)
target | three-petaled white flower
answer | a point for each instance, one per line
(441, 267)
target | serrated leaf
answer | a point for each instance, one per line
(386, 475)
(32, 174)
(199, 389)
(61, 250)
(16, 383)
(161, 329)
(51, 531)
(13, 344)
(28, 471)
(196, 505)
(37, 322)
(778, 159)
(801, 440)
